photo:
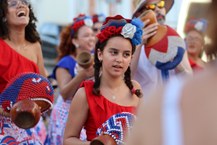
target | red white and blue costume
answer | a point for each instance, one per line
(24, 86)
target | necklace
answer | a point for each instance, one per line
(108, 92)
(113, 97)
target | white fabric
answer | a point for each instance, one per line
(171, 116)
(147, 74)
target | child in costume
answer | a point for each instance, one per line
(113, 91)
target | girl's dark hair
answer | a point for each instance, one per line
(31, 34)
(98, 65)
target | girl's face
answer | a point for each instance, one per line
(116, 56)
(85, 39)
(18, 13)
(195, 43)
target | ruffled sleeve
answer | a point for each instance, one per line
(67, 63)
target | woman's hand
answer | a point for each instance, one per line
(87, 73)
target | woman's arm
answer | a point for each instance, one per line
(40, 60)
(68, 85)
(135, 60)
(78, 114)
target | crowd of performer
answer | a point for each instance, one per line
(119, 80)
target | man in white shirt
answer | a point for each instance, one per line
(142, 69)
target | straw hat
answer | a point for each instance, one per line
(140, 6)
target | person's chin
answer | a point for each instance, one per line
(22, 24)
(191, 51)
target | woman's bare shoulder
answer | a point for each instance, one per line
(36, 46)
(80, 95)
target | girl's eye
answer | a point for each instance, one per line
(126, 54)
(114, 52)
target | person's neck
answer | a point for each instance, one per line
(111, 82)
(79, 50)
(193, 57)
(17, 36)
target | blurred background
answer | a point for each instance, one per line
(53, 15)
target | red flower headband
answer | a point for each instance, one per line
(80, 21)
(199, 25)
(131, 29)
(98, 18)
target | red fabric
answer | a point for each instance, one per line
(100, 110)
(13, 63)
(194, 65)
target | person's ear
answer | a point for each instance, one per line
(99, 54)
(74, 41)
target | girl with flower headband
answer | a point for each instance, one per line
(112, 91)
(75, 39)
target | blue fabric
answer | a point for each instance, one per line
(66, 62)
(137, 38)
(165, 67)
(20, 83)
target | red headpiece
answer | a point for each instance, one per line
(80, 21)
(199, 25)
(117, 25)
(98, 18)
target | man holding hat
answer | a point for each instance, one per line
(147, 74)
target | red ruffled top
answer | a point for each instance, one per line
(100, 110)
(13, 63)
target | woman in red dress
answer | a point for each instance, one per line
(20, 51)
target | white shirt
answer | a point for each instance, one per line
(147, 74)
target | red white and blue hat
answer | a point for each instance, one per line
(118, 25)
(118, 126)
(27, 86)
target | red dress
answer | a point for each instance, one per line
(13, 63)
(100, 109)
(195, 66)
